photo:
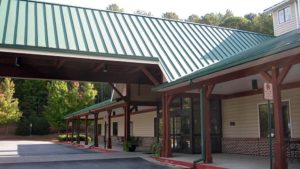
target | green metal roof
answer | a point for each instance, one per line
(181, 48)
(90, 108)
(277, 45)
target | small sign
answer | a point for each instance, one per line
(268, 91)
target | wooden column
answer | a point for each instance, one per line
(280, 150)
(109, 145)
(72, 134)
(276, 78)
(96, 144)
(86, 141)
(78, 130)
(67, 130)
(208, 92)
(166, 152)
(127, 122)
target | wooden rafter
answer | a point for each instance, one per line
(149, 75)
(117, 90)
(98, 67)
(283, 73)
(59, 64)
(266, 76)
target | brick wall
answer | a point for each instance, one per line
(250, 146)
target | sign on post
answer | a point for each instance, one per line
(268, 91)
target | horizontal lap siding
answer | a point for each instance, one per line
(244, 112)
(143, 124)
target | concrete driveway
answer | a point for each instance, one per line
(46, 155)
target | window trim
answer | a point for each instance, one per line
(284, 14)
(290, 114)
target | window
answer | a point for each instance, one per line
(263, 119)
(284, 15)
(115, 128)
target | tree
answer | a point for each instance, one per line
(64, 98)
(212, 19)
(170, 15)
(142, 12)
(263, 23)
(250, 16)
(236, 23)
(32, 96)
(9, 110)
(193, 18)
(115, 7)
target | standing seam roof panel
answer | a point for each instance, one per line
(180, 47)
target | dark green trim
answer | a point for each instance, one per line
(6, 20)
(16, 24)
(36, 25)
(64, 27)
(26, 24)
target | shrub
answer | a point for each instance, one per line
(63, 137)
(156, 149)
(23, 127)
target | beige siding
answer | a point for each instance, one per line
(142, 93)
(120, 121)
(288, 26)
(143, 124)
(244, 112)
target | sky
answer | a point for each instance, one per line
(183, 8)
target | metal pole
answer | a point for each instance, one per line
(270, 134)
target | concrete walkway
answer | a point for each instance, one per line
(42, 154)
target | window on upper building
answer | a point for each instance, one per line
(284, 15)
(263, 119)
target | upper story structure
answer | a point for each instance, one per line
(285, 16)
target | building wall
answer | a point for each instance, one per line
(288, 26)
(143, 93)
(243, 111)
(143, 124)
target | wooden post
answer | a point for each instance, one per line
(78, 130)
(280, 150)
(96, 144)
(126, 122)
(166, 126)
(86, 130)
(72, 134)
(109, 145)
(208, 155)
(67, 130)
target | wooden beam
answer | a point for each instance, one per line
(283, 73)
(134, 70)
(59, 64)
(117, 90)
(149, 75)
(266, 76)
(98, 67)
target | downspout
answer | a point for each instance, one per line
(202, 108)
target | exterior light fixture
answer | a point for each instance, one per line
(105, 69)
(254, 84)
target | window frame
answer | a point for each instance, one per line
(117, 128)
(290, 116)
(284, 12)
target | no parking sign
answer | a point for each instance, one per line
(268, 91)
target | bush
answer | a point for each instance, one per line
(156, 149)
(40, 125)
(23, 127)
(63, 137)
(131, 144)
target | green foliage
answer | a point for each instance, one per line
(9, 110)
(156, 149)
(23, 127)
(64, 98)
(40, 125)
(131, 144)
(193, 18)
(32, 95)
(170, 15)
(236, 23)
(63, 137)
(115, 7)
